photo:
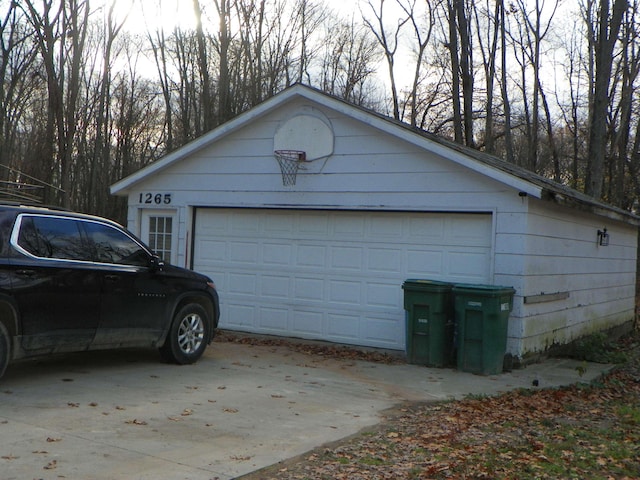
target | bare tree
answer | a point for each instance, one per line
(102, 149)
(203, 69)
(422, 30)
(223, 45)
(461, 53)
(622, 94)
(252, 16)
(488, 48)
(312, 16)
(19, 81)
(389, 43)
(159, 46)
(572, 104)
(608, 27)
(528, 40)
(348, 61)
(61, 36)
(504, 86)
(280, 50)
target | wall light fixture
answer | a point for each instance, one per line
(603, 237)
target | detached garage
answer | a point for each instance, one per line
(310, 213)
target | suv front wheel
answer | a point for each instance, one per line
(187, 338)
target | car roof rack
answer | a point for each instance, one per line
(13, 203)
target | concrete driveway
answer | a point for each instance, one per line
(123, 414)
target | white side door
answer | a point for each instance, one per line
(159, 230)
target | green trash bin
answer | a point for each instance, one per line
(429, 322)
(482, 318)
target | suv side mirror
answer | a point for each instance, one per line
(156, 263)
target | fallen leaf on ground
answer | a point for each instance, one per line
(135, 421)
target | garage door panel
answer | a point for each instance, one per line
(243, 223)
(306, 323)
(384, 260)
(349, 227)
(277, 254)
(275, 286)
(212, 251)
(241, 316)
(241, 283)
(309, 289)
(421, 263)
(311, 256)
(468, 266)
(345, 328)
(313, 226)
(243, 252)
(345, 292)
(386, 227)
(280, 226)
(384, 296)
(347, 258)
(427, 230)
(333, 275)
(382, 331)
(274, 319)
(469, 230)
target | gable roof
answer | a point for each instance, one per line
(526, 182)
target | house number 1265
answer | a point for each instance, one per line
(155, 198)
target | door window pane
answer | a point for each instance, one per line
(161, 236)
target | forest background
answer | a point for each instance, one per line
(86, 100)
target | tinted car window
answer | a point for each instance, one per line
(52, 237)
(113, 246)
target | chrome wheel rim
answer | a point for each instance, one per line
(191, 333)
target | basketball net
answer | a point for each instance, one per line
(289, 161)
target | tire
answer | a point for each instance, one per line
(5, 352)
(188, 335)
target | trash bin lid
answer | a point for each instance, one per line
(426, 285)
(483, 290)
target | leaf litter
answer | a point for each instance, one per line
(579, 431)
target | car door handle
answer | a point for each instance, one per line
(112, 278)
(26, 273)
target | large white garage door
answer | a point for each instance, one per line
(333, 275)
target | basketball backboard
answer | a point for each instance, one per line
(305, 132)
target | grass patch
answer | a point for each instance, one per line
(597, 348)
(372, 461)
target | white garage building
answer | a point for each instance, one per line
(319, 247)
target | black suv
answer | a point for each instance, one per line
(72, 282)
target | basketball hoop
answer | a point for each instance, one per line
(289, 161)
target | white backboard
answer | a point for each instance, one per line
(305, 132)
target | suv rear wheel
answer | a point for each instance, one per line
(188, 335)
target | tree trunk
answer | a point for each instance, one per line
(203, 68)
(458, 135)
(466, 71)
(609, 27)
